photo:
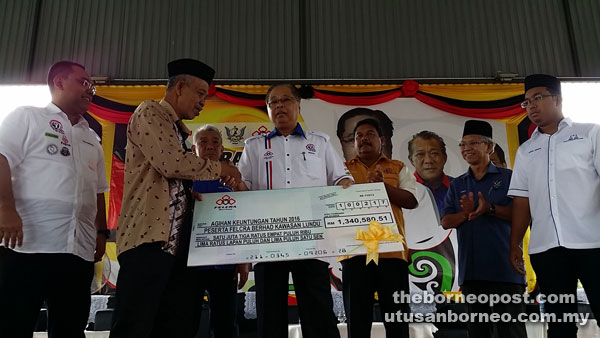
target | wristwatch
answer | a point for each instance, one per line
(104, 232)
(492, 210)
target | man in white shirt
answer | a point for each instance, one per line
(52, 214)
(289, 157)
(555, 183)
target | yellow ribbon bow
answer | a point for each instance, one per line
(376, 234)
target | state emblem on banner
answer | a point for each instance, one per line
(235, 135)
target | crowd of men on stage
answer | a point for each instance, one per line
(53, 224)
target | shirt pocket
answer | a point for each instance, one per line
(311, 166)
(574, 155)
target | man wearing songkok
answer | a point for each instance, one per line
(477, 205)
(154, 225)
(556, 185)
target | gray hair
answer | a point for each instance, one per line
(185, 78)
(486, 139)
(207, 127)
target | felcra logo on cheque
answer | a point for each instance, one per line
(226, 202)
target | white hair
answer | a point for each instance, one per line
(208, 127)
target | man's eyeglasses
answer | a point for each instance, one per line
(471, 144)
(285, 100)
(535, 98)
(89, 86)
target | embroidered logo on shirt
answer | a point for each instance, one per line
(311, 148)
(268, 155)
(235, 135)
(65, 141)
(534, 150)
(51, 135)
(260, 131)
(65, 151)
(52, 149)
(57, 126)
(495, 186)
(573, 138)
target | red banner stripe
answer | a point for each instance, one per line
(240, 101)
(491, 113)
(358, 100)
(109, 114)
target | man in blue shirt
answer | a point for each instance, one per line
(478, 206)
(221, 281)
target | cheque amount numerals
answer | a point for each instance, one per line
(359, 220)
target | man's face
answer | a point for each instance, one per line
(75, 93)
(208, 145)
(367, 142)
(284, 109)
(428, 159)
(544, 111)
(475, 150)
(191, 97)
(347, 140)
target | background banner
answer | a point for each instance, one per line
(403, 110)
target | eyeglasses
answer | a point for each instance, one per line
(535, 98)
(471, 144)
(89, 86)
(285, 100)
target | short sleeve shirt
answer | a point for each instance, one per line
(559, 175)
(57, 172)
(483, 243)
(298, 160)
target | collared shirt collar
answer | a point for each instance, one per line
(185, 131)
(490, 169)
(54, 109)
(382, 157)
(565, 122)
(445, 180)
(297, 131)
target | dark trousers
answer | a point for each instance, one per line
(360, 283)
(313, 293)
(485, 329)
(557, 272)
(26, 280)
(157, 295)
(222, 293)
